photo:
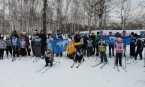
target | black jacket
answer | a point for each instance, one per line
(43, 39)
(76, 38)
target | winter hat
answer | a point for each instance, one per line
(98, 33)
(124, 31)
(119, 39)
(7, 37)
(132, 33)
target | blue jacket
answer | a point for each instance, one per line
(15, 42)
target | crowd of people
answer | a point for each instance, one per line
(18, 45)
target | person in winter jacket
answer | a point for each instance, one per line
(89, 47)
(111, 47)
(15, 45)
(23, 47)
(49, 57)
(102, 48)
(43, 42)
(139, 44)
(132, 45)
(96, 43)
(8, 46)
(78, 55)
(2, 48)
(93, 38)
(119, 47)
(71, 48)
(85, 44)
(33, 37)
(26, 38)
(37, 46)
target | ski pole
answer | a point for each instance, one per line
(125, 62)
(144, 57)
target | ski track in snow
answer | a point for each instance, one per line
(23, 74)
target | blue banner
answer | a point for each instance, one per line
(112, 39)
(59, 45)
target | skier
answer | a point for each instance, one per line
(119, 47)
(37, 46)
(49, 57)
(15, 44)
(96, 43)
(33, 41)
(43, 42)
(78, 55)
(111, 47)
(139, 44)
(71, 48)
(23, 47)
(2, 47)
(26, 38)
(8, 46)
(102, 49)
(89, 47)
(132, 44)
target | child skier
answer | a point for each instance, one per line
(102, 49)
(15, 44)
(79, 55)
(23, 47)
(71, 48)
(2, 47)
(37, 46)
(119, 47)
(89, 47)
(49, 57)
(8, 46)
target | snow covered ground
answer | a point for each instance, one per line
(23, 74)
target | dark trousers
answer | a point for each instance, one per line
(33, 51)
(23, 51)
(103, 56)
(124, 52)
(138, 51)
(37, 49)
(1, 53)
(132, 50)
(48, 61)
(119, 57)
(71, 56)
(111, 47)
(15, 51)
(89, 51)
(78, 58)
(28, 51)
(97, 50)
(43, 50)
(59, 54)
(9, 49)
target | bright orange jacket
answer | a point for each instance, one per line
(71, 48)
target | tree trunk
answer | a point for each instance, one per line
(44, 16)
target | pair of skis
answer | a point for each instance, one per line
(76, 66)
(45, 69)
(36, 59)
(133, 62)
(122, 68)
(100, 64)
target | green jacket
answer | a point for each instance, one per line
(96, 40)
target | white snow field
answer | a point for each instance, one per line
(22, 73)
